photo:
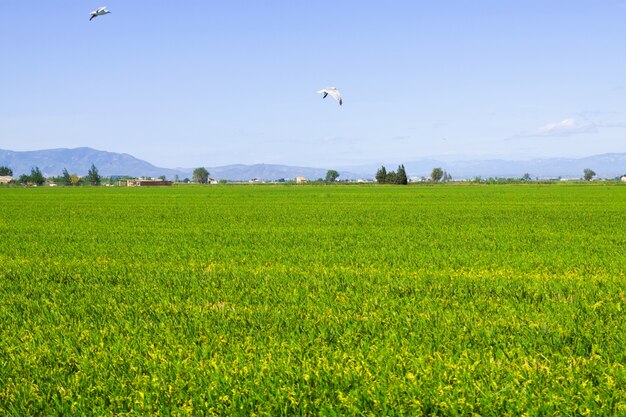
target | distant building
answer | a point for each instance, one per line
(5, 179)
(623, 178)
(145, 183)
(300, 180)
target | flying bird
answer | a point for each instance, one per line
(100, 11)
(333, 92)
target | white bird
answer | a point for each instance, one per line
(333, 92)
(100, 11)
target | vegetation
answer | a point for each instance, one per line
(66, 178)
(331, 175)
(72, 179)
(437, 174)
(588, 174)
(381, 175)
(5, 171)
(313, 300)
(401, 177)
(93, 177)
(35, 177)
(201, 175)
(392, 177)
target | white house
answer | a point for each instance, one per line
(624, 178)
(5, 179)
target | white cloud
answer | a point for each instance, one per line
(566, 127)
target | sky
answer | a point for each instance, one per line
(207, 83)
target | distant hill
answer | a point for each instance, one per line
(240, 172)
(605, 166)
(78, 161)
(51, 162)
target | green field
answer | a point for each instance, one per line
(313, 300)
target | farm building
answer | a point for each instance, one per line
(300, 180)
(5, 179)
(623, 178)
(144, 183)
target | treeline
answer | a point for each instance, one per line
(392, 177)
(36, 177)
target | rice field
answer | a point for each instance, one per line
(313, 300)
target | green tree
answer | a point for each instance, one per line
(201, 175)
(588, 174)
(401, 177)
(93, 177)
(391, 177)
(36, 176)
(331, 175)
(526, 177)
(381, 175)
(5, 171)
(67, 178)
(436, 175)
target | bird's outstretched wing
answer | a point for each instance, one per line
(333, 92)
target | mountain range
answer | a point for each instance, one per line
(78, 161)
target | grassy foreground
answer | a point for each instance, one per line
(313, 300)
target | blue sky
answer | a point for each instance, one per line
(203, 83)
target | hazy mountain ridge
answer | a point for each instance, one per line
(605, 166)
(78, 160)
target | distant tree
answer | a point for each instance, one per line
(36, 176)
(186, 180)
(201, 175)
(176, 178)
(588, 174)
(331, 175)
(391, 177)
(93, 177)
(162, 177)
(436, 175)
(67, 178)
(74, 179)
(381, 175)
(5, 171)
(526, 177)
(401, 177)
